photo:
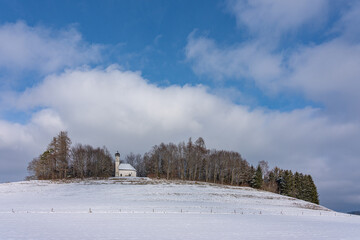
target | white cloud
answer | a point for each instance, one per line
(20, 143)
(274, 18)
(328, 73)
(121, 110)
(42, 49)
(244, 61)
(16, 136)
(325, 73)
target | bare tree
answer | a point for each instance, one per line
(264, 165)
(78, 154)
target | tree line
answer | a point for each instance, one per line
(185, 161)
(193, 161)
(60, 160)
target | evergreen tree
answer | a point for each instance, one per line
(286, 183)
(301, 190)
(307, 189)
(250, 176)
(257, 180)
(313, 194)
(290, 184)
(297, 185)
(281, 180)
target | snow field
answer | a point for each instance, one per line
(148, 209)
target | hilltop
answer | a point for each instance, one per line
(141, 208)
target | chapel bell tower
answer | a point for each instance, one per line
(117, 163)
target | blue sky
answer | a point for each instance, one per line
(274, 80)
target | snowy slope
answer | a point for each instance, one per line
(147, 209)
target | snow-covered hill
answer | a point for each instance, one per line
(148, 209)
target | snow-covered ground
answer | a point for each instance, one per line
(157, 209)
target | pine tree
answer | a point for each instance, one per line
(257, 180)
(297, 185)
(250, 175)
(302, 186)
(290, 185)
(282, 181)
(313, 196)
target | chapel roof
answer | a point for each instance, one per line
(126, 166)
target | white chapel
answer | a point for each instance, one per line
(123, 169)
